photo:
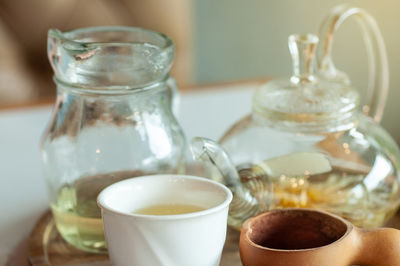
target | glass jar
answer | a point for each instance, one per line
(112, 120)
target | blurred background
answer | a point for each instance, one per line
(216, 41)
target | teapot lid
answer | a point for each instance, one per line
(305, 97)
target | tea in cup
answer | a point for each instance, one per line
(305, 237)
(165, 220)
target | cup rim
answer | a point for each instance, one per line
(248, 225)
(222, 205)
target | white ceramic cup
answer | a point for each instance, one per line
(178, 240)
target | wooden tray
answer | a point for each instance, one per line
(46, 247)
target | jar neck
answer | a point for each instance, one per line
(100, 102)
(76, 108)
(156, 86)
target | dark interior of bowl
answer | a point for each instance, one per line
(296, 229)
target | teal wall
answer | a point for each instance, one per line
(238, 39)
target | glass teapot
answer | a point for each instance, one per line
(112, 120)
(306, 144)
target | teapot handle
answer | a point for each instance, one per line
(173, 95)
(378, 80)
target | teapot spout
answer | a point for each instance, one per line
(65, 54)
(246, 202)
(208, 151)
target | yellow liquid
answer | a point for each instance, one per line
(169, 209)
(76, 214)
(340, 191)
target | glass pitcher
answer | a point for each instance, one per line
(112, 120)
(307, 139)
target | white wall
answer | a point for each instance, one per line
(239, 39)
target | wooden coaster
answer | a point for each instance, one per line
(46, 247)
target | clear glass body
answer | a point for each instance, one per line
(306, 144)
(361, 184)
(106, 125)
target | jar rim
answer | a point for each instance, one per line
(114, 57)
(75, 37)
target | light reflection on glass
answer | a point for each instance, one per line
(380, 170)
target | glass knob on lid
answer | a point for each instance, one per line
(304, 97)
